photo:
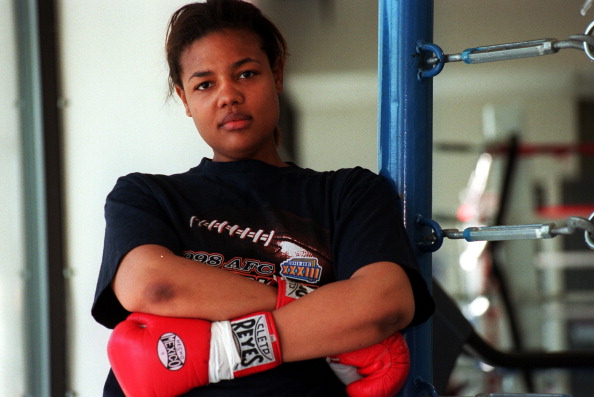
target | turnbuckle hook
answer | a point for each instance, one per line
(434, 241)
(589, 234)
(588, 47)
(438, 60)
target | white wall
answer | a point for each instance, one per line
(331, 78)
(117, 120)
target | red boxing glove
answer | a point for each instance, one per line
(381, 369)
(164, 356)
(375, 371)
(289, 291)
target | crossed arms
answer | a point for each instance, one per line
(338, 317)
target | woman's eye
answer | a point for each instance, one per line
(247, 74)
(203, 86)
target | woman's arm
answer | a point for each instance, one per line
(338, 317)
(347, 315)
(152, 279)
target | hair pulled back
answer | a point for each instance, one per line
(196, 20)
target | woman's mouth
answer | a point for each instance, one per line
(235, 121)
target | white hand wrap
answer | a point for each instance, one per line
(224, 355)
(346, 373)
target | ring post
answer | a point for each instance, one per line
(405, 141)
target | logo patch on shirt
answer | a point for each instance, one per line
(303, 269)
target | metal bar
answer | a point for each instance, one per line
(36, 273)
(502, 52)
(586, 7)
(501, 233)
(522, 232)
(522, 49)
(53, 195)
(529, 359)
(405, 141)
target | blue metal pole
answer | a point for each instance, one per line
(405, 142)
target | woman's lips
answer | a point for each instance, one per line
(235, 121)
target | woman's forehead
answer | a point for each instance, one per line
(223, 45)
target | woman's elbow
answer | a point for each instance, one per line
(397, 312)
(143, 296)
(402, 315)
(387, 296)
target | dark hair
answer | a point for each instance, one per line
(196, 20)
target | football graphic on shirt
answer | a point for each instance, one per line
(299, 247)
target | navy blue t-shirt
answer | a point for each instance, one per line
(258, 220)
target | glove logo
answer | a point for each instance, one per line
(296, 290)
(172, 351)
(254, 341)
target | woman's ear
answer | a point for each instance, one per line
(182, 95)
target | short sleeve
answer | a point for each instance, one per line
(369, 229)
(134, 216)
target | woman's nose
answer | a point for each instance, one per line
(229, 94)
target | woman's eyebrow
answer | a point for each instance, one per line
(199, 74)
(235, 65)
(243, 61)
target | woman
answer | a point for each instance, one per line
(221, 241)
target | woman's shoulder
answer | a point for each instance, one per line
(149, 182)
(354, 176)
(142, 178)
(347, 172)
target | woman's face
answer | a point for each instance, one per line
(231, 93)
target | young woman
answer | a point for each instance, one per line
(207, 251)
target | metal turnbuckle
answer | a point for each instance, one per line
(502, 52)
(434, 63)
(512, 232)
